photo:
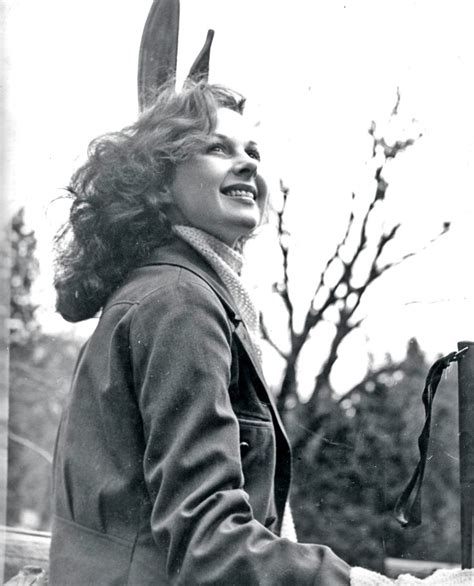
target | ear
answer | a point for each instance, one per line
(166, 197)
(158, 49)
(157, 60)
(200, 68)
(169, 207)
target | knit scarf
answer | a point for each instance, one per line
(227, 263)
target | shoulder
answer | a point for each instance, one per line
(153, 283)
(157, 295)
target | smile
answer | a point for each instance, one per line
(247, 191)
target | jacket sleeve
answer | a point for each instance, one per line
(201, 517)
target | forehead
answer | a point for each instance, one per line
(235, 126)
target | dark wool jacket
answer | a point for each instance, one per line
(171, 464)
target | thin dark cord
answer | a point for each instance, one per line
(408, 507)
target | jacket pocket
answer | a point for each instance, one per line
(258, 457)
(80, 555)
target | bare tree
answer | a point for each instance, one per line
(339, 287)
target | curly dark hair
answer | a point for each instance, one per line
(117, 217)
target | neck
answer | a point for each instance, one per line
(203, 240)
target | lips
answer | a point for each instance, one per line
(240, 190)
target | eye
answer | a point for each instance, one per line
(254, 154)
(216, 147)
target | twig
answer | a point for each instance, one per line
(23, 441)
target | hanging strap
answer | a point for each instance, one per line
(408, 507)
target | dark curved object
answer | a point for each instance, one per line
(408, 505)
(158, 49)
(200, 68)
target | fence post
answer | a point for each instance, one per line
(4, 300)
(466, 448)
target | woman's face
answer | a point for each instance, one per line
(219, 189)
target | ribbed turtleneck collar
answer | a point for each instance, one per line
(227, 263)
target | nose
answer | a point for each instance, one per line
(245, 166)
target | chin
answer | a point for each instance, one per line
(245, 237)
(243, 233)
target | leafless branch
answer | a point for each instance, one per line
(387, 266)
(266, 336)
(397, 104)
(359, 247)
(283, 289)
(23, 441)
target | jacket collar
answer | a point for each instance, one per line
(179, 253)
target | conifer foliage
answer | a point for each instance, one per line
(350, 474)
(24, 270)
(40, 369)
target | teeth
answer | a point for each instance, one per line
(239, 193)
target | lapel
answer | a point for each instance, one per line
(179, 253)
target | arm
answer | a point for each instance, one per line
(201, 516)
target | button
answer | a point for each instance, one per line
(244, 446)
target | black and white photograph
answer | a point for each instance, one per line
(236, 293)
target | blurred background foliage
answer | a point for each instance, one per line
(40, 371)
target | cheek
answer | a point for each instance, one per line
(185, 186)
(262, 192)
(206, 169)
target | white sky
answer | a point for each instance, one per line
(315, 74)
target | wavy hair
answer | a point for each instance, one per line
(117, 212)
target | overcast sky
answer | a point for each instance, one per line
(315, 73)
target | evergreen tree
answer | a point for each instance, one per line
(348, 478)
(24, 269)
(40, 369)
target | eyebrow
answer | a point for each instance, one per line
(224, 137)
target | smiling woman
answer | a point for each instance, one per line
(219, 189)
(121, 194)
(171, 463)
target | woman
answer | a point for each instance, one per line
(171, 463)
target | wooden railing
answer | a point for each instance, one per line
(30, 549)
(25, 549)
(393, 567)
